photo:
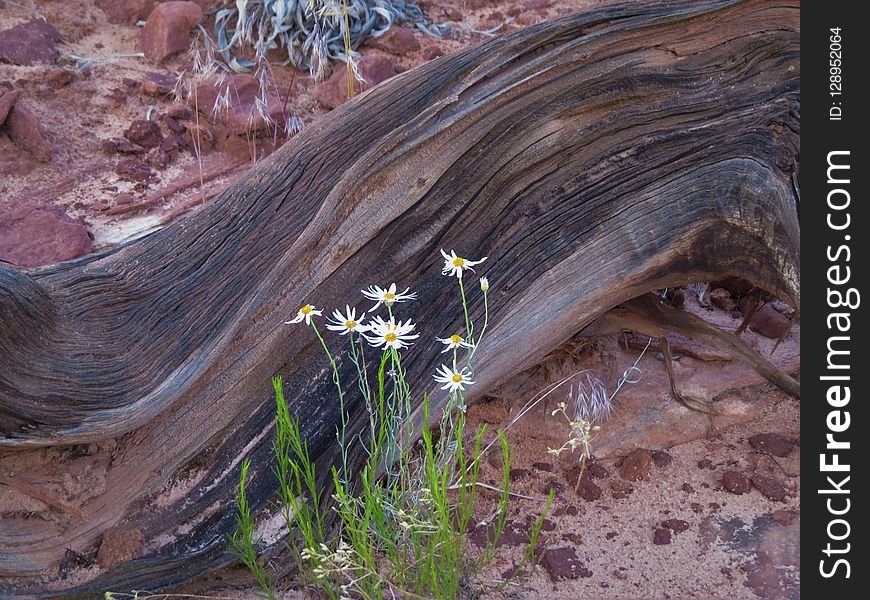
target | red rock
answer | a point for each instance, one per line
(687, 488)
(587, 489)
(159, 84)
(772, 443)
(769, 487)
(736, 482)
(133, 170)
(160, 159)
(119, 545)
(332, 93)
(563, 563)
(123, 199)
(769, 322)
(548, 525)
(173, 124)
(536, 4)
(515, 534)
(705, 463)
(662, 536)
(29, 43)
(7, 101)
(127, 11)
(518, 474)
(543, 466)
(636, 465)
(661, 458)
(574, 538)
(58, 78)
(34, 236)
(27, 133)
(167, 30)
(434, 51)
(397, 41)
(676, 525)
(172, 144)
(179, 112)
(721, 298)
(782, 517)
(598, 471)
(241, 115)
(144, 133)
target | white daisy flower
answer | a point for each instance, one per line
(452, 379)
(484, 284)
(389, 334)
(454, 342)
(346, 322)
(455, 265)
(387, 296)
(306, 312)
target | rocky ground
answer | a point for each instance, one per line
(96, 149)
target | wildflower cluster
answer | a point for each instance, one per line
(402, 515)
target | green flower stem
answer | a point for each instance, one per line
(337, 381)
(469, 326)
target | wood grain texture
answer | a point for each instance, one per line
(593, 159)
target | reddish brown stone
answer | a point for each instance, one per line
(119, 545)
(58, 78)
(133, 170)
(676, 525)
(721, 298)
(543, 466)
(144, 133)
(515, 533)
(126, 11)
(332, 93)
(769, 487)
(736, 482)
(179, 112)
(637, 465)
(26, 131)
(233, 102)
(397, 41)
(33, 237)
(769, 322)
(782, 517)
(597, 470)
(167, 30)
(662, 536)
(433, 51)
(159, 84)
(587, 489)
(563, 563)
(772, 443)
(29, 43)
(661, 458)
(7, 101)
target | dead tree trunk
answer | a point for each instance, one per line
(593, 159)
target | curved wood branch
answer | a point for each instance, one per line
(593, 159)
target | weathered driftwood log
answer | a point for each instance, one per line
(593, 159)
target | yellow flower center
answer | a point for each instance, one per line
(389, 296)
(391, 337)
(455, 339)
(457, 378)
(350, 324)
(458, 262)
(307, 309)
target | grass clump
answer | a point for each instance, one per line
(395, 526)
